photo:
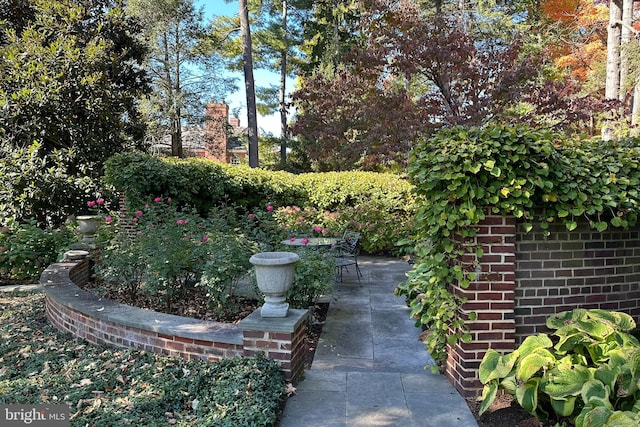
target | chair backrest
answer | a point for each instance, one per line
(351, 243)
(349, 236)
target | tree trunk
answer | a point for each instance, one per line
(252, 120)
(178, 106)
(283, 87)
(625, 38)
(612, 86)
(635, 107)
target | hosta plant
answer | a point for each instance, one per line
(588, 374)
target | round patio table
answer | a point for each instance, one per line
(316, 242)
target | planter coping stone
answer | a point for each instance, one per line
(289, 324)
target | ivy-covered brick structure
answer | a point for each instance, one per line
(523, 278)
(513, 225)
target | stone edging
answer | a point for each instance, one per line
(103, 321)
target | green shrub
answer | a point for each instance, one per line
(314, 276)
(192, 182)
(590, 376)
(26, 250)
(121, 260)
(254, 188)
(36, 184)
(227, 262)
(332, 191)
(201, 183)
(380, 206)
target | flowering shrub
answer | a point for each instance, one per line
(95, 205)
(262, 227)
(380, 228)
(162, 253)
(228, 261)
(121, 261)
(309, 221)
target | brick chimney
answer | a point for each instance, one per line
(215, 130)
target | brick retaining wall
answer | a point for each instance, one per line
(101, 321)
(525, 277)
(583, 268)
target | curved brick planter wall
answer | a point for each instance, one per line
(101, 321)
(525, 277)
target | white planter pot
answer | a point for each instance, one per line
(274, 274)
(87, 227)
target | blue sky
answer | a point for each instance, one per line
(267, 124)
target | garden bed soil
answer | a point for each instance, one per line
(504, 412)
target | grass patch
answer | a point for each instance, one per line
(108, 386)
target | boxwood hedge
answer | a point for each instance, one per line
(379, 205)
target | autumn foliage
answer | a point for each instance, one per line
(412, 74)
(582, 43)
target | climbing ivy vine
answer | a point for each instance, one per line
(537, 176)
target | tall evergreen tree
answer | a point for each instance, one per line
(184, 75)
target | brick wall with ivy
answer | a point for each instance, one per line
(522, 278)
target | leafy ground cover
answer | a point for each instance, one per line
(107, 386)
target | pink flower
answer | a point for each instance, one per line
(317, 229)
(205, 238)
(269, 208)
(305, 240)
(251, 216)
(293, 239)
(108, 219)
(157, 199)
(168, 199)
(186, 238)
(179, 222)
(138, 213)
(91, 203)
(134, 219)
(146, 205)
(100, 201)
(186, 221)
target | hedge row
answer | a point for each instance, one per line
(367, 197)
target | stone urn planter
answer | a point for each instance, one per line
(274, 274)
(87, 227)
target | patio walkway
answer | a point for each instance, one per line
(369, 368)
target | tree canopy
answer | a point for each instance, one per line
(71, 77)
(415, 72)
